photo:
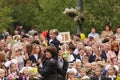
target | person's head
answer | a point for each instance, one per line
(107, 46)
(93, 30)
(81, 51)
(36, 37)
(85, 59)
(71, 72)
(98, 70)
(118, 30)
(26, 72)
(20, 27)
(16, 51)
(78, 65)
(88, 66)
(83, 72)
(2, 43)
(114, 46)
(80, 45)
(108, 27)
(22, 33)
(71, 49)
(88, 50)
(102, 47)
(111, 70)
(94, 48)
(76, 37)
(28, 63)
(2, 73)
(51, 51)
(37, 49)
(53, 33)
(93, 65)
(15, 32)
(13, 67)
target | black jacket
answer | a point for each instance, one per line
(92, 58)
(95, 77)
(55, 42)
(62, 72)
(49, 70)
(33, 59)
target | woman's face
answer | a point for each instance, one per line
(107, 28)
(37, 49)
(115, 48)
(48, 54)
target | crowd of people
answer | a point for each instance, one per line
(37, 55)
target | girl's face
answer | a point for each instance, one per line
(95, 49)
(37, 49)
(80, 45)
(81, 52)
(71, 75)
(111, 71)
(84, 60)
(2, 73)
(13, 68)
(83, 73)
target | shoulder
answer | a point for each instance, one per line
(52, 60)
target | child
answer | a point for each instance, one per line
(13, 74)
(83, 74)
(98, 73)
(2, 74)
(111, 74)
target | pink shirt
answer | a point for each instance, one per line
(111, 56)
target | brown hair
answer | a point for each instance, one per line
(29, 49)
(52, 49)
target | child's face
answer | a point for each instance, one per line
(111, 71)
(84, 60)
(93, 65)
(98, 71)
(71, 75)
(88, 66)
(2, 73)
(78, 66)
(83, 73)
(13, 68)
(26, 72)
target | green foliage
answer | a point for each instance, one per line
(47, 14)
(100, 12)
(5, 18)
